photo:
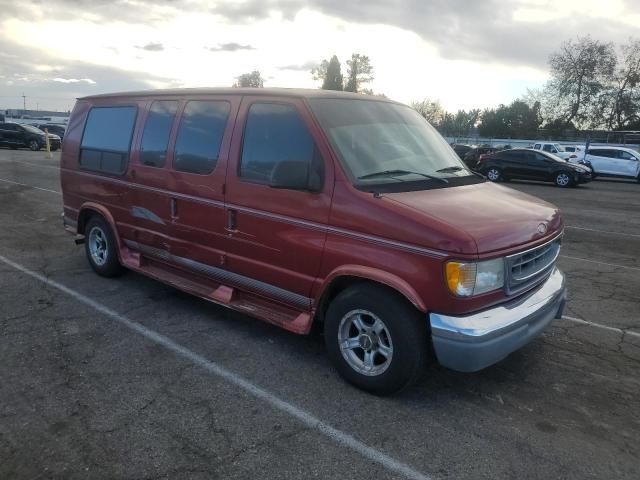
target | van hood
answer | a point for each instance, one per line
(496, 217)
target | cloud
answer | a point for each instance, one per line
(485, 31)
(24, 74)
(303, 67)
(230, 47)
(153, 47)
(74, 80)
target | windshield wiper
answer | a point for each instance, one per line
(401, 172)
(449, 169)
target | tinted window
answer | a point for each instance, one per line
(155, 139)
(273, 133)
(626, 155)
(537, 146)
(548, 148)
(200, 136)
(107, 139)
(604, 153)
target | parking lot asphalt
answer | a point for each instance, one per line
(128, 378)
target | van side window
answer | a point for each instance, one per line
(200, 136)
(106, 140)
(274, 133)
(157, 128)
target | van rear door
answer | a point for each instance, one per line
(276, 235)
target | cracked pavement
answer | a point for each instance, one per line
(83, 397)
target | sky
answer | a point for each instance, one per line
(464, 53)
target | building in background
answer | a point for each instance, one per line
(34, 116)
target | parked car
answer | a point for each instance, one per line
(461, 149)
(472, 157)
(618, 162)
(527, 164)
(280, 204)
(555, 149)
(573, 149)
(53, 128)
(15, 135)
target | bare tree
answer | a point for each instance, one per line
(431, 110)
(359, 71)
(624, 94)
(580, 72)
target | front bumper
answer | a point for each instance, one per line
(473, 342)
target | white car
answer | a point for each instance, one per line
(613, 162)
(555, 148)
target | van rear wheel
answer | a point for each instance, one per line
(376, 339)
(101, 248)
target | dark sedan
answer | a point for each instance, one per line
(54, 128)
(528, 164)
(472, 156)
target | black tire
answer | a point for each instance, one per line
(110, 266)
(34, 145)
(405, 330)
(53, 149)
(494, 174)
(563, 179)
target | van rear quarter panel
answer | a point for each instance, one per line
(82, 187)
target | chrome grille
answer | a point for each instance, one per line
(528, 268)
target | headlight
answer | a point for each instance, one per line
(473, 278)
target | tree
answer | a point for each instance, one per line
(623, 100)
(580, 72)
(330, 72)
(431, 110)
(517, 120)
(252, 79)
(359, 71)
(458, 124)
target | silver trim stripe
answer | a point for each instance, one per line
(283, 218)
(225, 276)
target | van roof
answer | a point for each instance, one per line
(271, 92)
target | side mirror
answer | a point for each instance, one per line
(293, 175)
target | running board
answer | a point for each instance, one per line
(289, 318)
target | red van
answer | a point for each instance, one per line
(303, 206)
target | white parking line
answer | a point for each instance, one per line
(306, 418)
(603, 231)
(33, 164)
(600, 263)
(598, 325)
(26, 185)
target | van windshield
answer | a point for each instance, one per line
(385, 143)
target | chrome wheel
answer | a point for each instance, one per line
(98, 246)
(562, 179)
(493, 174)
(365, 342)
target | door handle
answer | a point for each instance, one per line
(232, 220)
(174, 208)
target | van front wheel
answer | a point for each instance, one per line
(376, 339)
(101, 248)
